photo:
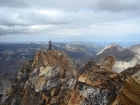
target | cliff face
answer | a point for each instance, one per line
(130, 91)
(51, 78)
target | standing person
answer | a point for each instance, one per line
(50, 45)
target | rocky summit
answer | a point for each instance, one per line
(52, 78)
(49, 78)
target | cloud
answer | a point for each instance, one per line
(46, 18)
(14, 3)
(118, 5)
(110, 5)
(34, 17)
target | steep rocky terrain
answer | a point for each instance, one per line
(51, 78)
(47, 78)
(125, 57)
(13, 56)
(130, 91)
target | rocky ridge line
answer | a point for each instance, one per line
(51, 78)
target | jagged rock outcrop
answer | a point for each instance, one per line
(88, 65)
(130, 71)
(130, 91)
(47, 79)
(98, 85)
(106, 62)
(51, 79)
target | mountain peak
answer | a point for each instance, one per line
(112, 45)
(41, 79)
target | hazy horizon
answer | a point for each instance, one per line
(103, 43)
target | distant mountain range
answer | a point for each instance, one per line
(13, 56)
(131, 60)
(125, 57)
(120, 53)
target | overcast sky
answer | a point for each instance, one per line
(69, 20)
